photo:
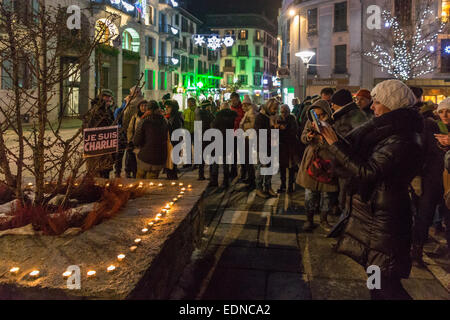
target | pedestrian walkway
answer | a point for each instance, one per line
(255, 249)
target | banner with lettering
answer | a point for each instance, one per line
(101, 141)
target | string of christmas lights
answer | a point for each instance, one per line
(408, 56)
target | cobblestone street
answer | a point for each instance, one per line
(255, 249)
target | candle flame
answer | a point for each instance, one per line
(111, 268)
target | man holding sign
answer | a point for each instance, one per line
(100, 136)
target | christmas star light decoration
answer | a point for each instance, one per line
(174, 30)
(214, 43)
(199, 40)
(447, 50)
(175, 61)
(228, 41)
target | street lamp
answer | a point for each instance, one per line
(306, 57)
(292, 12)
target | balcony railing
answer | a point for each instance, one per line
(170, 30)
(242, 53)
(229, 69)
(165, 61)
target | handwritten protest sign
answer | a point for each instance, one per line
(101, 141)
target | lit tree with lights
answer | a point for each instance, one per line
(407, 51)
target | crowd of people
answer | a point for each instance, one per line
(378, 159)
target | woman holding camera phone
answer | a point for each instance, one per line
(320, 186)
(382, 157)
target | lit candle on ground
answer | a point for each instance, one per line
(164, 211)
(180, 196)
(181, 184)
(120, 257)
(67, 274)
(151, 184)
(91, 273)
(159, 215)
(120, 185)
(111, 268)
(157, 219)
(145, 230)
(14, 270)
(107, 185)
(173, 183)
(182, 192)
(131, 185)
(189, 186)
(183, 189)
(175, 199)
(30, 184)
(133, 248)
(34, 273)
(150, 224)
(160, 185)
(172, 203)
(138, 240)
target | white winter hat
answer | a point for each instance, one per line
(393, 94)
(445, 104)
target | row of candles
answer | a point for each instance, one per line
(137, 241)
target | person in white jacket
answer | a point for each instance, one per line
(248, 122)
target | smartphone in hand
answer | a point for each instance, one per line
(318, 123)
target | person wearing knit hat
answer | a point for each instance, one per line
(346, 117)
(341, 98)
(391, 95)
(381, 157)
(364, 102)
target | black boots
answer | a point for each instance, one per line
(309, 224)
(417, 256)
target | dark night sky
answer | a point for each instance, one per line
(267, 7)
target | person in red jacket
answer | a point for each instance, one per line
(236, 106)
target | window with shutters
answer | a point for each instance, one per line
(313, 69)
(150, 49)
(243, 79)
(312, 22)
(149, 14)
(149, 80)
(403, 11)
(340, 58)
(24, 77)
(257, 51)
(257, 80)
(340, 17)
(243, 35)
(162, 81)
(242, 65)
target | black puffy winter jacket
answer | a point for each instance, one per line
(384, 155)
(151, 137)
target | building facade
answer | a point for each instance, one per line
(337, 32)
(149, 40)
(249, 66)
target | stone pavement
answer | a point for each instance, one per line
(255, 249)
